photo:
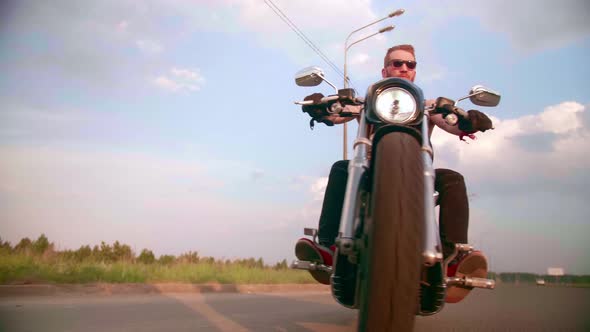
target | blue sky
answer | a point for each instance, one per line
(171, 125)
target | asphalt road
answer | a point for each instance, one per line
(508, 308)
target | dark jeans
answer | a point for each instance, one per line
(454, 207)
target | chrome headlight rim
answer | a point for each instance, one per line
(415, 103)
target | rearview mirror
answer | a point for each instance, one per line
(482, 96)
(310, 76)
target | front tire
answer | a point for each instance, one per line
(395, 229)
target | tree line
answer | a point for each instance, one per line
(531, 278)
(118, 252)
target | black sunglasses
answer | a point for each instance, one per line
(398, 63)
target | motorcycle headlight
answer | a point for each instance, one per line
(396, 105)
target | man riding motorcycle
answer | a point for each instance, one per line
(400, 61)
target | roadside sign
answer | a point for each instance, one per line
(555, 271)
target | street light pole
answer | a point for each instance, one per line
(346, 80)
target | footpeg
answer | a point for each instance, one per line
(471, 282)
(310, 266)
(310, 232)
(464, 247)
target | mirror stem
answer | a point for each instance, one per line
(330, 83)
(469, 96)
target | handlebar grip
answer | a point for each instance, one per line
(304, 103)
(324, 100)
(329, 98)
(464, 247)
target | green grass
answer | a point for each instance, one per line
(22, 268)
(27, 269)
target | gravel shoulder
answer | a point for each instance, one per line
(155, 288)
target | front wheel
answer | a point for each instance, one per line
(391, 267)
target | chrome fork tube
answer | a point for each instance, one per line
(432, 247)
(357, 167)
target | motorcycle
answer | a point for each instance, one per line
(388, 261)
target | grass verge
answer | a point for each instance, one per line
(18, 269)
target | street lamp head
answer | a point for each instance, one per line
(346, 47)
(397, 13)
(386, 29)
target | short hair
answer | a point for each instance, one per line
(403, 47)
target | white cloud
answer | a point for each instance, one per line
(360, 58)
(180, 80)
(326, 26)
(318, 188)
(149, 47)
(325, 14)
(187, 74)
(311, 190)
(530, 176)
(543, 146)
(523, 178)
(562, 118)
(529, 24)
(166, 83)
(535, 24)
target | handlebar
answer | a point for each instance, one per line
(451, 117)
(452, 113)
(454, 110)
(459, 111)
(322, 101)
(336, 105)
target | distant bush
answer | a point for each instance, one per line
(208, 260)
(23, 246)
(105, 253)
(191, 257)
(282, 265)
(83, 254)
(5, 247)
(518, 277)
(40, 245)
(167, 259)
(250, 262)
(122, 252)
(146, 257)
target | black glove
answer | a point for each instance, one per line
(317, 112)
(477, 122)
(444, 109)
(316, 98)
